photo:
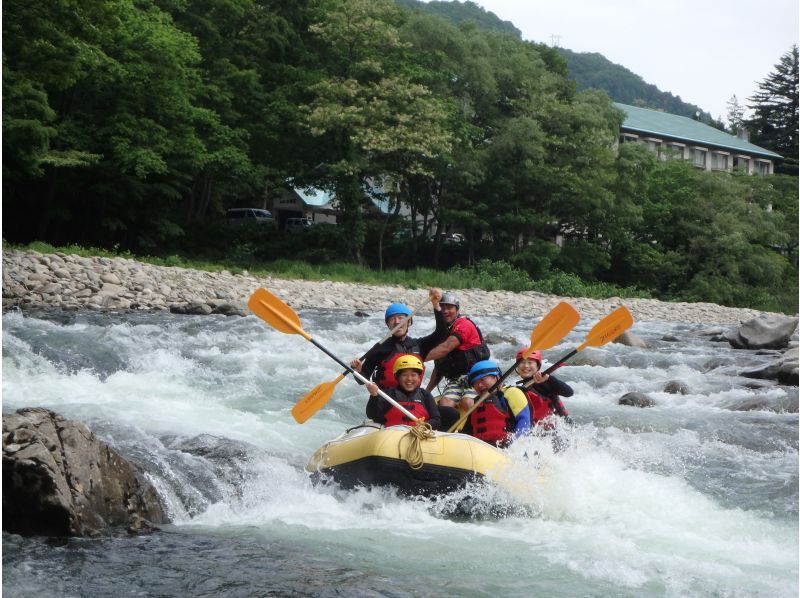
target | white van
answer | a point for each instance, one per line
(298, 225)
(238, 216)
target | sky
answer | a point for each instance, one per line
(703, 51)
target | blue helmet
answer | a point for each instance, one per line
(396, 309)
(481, 369)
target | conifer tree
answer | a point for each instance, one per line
(774, 123)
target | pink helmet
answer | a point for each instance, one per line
(534, 355)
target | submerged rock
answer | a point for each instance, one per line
(675, 387)
(60, 480)
(636, 399)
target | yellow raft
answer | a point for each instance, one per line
(371, 455)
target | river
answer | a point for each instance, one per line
(691, 497)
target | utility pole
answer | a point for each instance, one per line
(555, 40)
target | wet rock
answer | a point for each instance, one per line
(192, 309)
(497, 338)
(717, 362)
(784, 370)
(636, 399)
(229, 309)
(670, 338)
(675, 387)
(60, 480)
(711, 332)
(361, 314)
(630, 339)
(767, 332)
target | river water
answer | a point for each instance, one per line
(692, 497)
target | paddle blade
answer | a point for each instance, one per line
(275, 312)
(314, 400)
(553, 327)
(609, 328)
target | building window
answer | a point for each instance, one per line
(762, 166)
(674, 151)
(719, 161)
(741, 163)
(629, 138)
(699, 157)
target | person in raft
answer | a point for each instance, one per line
(378, 363)
(545, 391)
(505, 414)
(408, 371)
(463, 346)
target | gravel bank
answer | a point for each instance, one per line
(35, 280)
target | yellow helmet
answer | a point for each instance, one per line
(407, 362)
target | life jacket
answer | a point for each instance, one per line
(542, 406)
(384, 372)
(492, 421)
(458, 361)
(413, 402)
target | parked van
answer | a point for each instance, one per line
(298, 225)
(238, 216)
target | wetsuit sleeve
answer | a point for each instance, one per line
(377, 406)
(435, 418)
(518, 404)
(440, 333)
(555, 387)
(373, 410)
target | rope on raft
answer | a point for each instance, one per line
(419, 432)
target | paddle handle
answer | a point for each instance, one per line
(358, 376)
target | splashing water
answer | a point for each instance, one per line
(692, 497)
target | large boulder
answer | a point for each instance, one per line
(772, 331)
(60, 480)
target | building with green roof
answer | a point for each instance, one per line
(678, 137)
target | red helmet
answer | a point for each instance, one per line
(534, 355)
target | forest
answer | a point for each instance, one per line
(134, 124)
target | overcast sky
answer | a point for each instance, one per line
(703, 51)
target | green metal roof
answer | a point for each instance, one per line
(662, 124)
(313, 196)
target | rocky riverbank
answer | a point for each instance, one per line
(71, 282)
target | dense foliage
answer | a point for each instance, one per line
(135, 123)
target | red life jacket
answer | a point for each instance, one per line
(491, 422)
(458, 361)
(387, 379)
(413, 402)
(541, 407)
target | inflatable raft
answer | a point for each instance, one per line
(371, 455)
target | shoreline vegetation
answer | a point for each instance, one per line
(77, 278)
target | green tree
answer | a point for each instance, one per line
(366, 109)
(774, 124)
(735, 115)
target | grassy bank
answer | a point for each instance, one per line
(487, 275)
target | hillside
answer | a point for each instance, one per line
(588, 70)
(593, 70)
